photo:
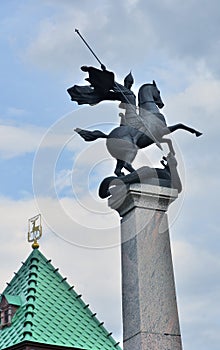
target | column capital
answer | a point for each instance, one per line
(125, 198)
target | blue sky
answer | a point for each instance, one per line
(46, 167)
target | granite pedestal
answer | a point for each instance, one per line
(150, 316)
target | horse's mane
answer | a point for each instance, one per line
(140, 91)
(145, 85)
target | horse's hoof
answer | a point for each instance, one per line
(198, 133)
(119, 174)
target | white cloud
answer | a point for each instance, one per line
(14, 111)
(198, 286)
(15, 141)
(131, 28)
(56, 38)
(19, 140)
(197, 102)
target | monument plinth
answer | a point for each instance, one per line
(150, 316)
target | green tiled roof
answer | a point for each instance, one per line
(50, 311)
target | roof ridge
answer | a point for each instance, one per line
(31, 291)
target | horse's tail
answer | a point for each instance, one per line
(104, 186)
(90, 135)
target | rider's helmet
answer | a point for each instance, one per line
(129, 81)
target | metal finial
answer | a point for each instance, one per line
(34, 230)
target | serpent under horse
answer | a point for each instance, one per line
(140, 130)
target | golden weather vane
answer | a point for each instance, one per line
(34, 230)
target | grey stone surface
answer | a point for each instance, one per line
(147, 341)
(141, 196)
(150, 316)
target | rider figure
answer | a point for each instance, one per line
(128, 100)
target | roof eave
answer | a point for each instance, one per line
(25, 345)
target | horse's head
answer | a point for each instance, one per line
(150, 93)
(156, 95)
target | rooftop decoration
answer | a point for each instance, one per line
(34, 230)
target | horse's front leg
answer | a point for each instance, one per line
(178, 126)
(170, 145)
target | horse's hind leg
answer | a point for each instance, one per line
(170, 145)
(175, 127)
(129, 167)
(120, 164)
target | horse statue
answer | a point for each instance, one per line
(138, 129)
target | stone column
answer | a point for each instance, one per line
(150, 316)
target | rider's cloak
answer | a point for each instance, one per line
(101, 82)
